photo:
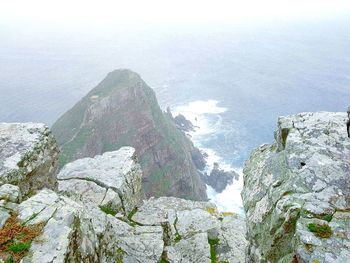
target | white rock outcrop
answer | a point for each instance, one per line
(28, 156)
(111, 180)
(297, 192)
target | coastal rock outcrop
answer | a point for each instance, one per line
(123, 110)
(219, 178)
(96, 215)
(296, 192)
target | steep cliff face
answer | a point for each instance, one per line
(297, 192)
(122, 110)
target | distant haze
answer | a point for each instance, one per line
(257, 59)
(112, 13)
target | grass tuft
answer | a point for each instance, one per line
(108, 210)
(178, 237)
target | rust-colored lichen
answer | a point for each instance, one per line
(16, 238)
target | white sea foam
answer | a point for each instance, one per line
(205, 115)
(230, 199)
(197, 112)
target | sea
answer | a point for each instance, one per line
(231, 80)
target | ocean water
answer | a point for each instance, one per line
(235, 79)
(208, 122)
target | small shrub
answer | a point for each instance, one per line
(323, 231)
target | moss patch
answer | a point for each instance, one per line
(163, 261)
(16, 239)
(120, 255)
(211, 210)
(108, 210)
(327, 218)
(320, 230)
(225, 214)
(213, 255)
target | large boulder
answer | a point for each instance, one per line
(28, 156)
(111, 180)
(297, 194)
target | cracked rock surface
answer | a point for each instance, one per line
(116, 174)
(190, 226)
(297, 192)
(28, 156)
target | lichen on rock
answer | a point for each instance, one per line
(300, 181)
(28, 156)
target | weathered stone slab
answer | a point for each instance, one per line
(28, 156)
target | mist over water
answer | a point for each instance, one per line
(236, 79)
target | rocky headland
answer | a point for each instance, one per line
(123, 111)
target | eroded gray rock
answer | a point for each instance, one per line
(108, 186)
(67, 236)
(193, 249)
(89, 179)
(190, 226)
(300, 180)
(28, 156)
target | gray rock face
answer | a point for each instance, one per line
(194, 231)
(183, 124)
(68, 235)
(28, 156)
(297, 193)
(219, 179)
(112, 180)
